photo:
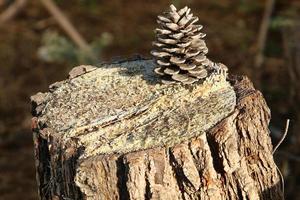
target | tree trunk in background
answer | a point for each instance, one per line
(155, 149)
(291, 44)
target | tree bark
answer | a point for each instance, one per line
(114, 132)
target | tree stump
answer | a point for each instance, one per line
(115, 132)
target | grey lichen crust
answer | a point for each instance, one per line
(122, 107)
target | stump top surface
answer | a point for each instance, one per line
(121, 107)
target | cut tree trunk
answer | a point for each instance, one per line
(115, 132)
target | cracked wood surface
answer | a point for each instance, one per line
(114, 132)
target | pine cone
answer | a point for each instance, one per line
(179, 48)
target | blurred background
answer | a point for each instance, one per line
(41, 40)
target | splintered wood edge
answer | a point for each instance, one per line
(121, 107)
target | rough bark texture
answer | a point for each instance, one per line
(208, 141)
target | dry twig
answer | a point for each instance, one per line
(263, 31)
(276, 147)
(283, 136)
(2, 2)
(65, 24)
(12, 11)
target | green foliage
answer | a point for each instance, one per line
(273, 48)
(281, 21)
(104, 40)
(248, 6)
(57, 48)
(91, 6)
(89, 3)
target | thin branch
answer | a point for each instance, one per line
(282, 180)
(263, 31)
(2, 2)
(12, 11)
(65, 24)
(276, 147)
(283, 136)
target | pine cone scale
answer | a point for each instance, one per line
(167, 41)
(186, 30)
(173, 50)
(171, 26)
(164, 19)
(182, 11)
(192, 52)
(199, 58)
(184, 45)
(177, 60)
(163, 62)
(162, 31)
(159, 71)
(187, 67)
(177, 36)
(160, 54)
(171, 70)
(180, 77)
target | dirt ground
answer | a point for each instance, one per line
(231, 28)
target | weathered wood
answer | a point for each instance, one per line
(114, 132)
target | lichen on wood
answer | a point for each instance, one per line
(104, 104)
